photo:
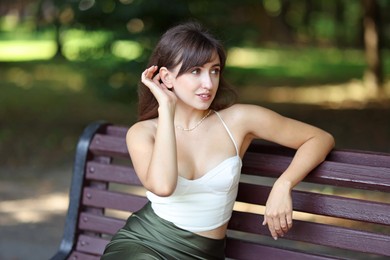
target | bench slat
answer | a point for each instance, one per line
(82, 256)
(317, 233)
(102, 160)
(367, 158)
(100, 224)
(109, 146)
(112, 173)
(91, 245)
(355, 157)
(333, 173)
(321, 204)
(116, 130)
(113, 200)
(238, 249)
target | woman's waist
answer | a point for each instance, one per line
(217, 233)
(189, 216)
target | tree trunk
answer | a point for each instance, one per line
(59, 54)
(340, 26)
(373, 76)
(309, 8)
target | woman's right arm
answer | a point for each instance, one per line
(152, 147)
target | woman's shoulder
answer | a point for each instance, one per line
(241, 110)
(142, 128)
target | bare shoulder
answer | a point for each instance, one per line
(246, 112)
(141, 131)
(253, 120)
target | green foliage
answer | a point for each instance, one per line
(83, 45)
(249, 23)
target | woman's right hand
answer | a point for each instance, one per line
(160, 91)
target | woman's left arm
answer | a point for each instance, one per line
(312, 146)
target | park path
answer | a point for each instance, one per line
(32, 213)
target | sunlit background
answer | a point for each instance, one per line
(66, 63)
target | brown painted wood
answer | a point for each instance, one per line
(118, 131)
(91, 245)
(81, 256)
(109, 145)
(321, 204)
(366, 158)
(113, 200)
(112, 173)
(353, 169)
(320, 234)
(333, 173)
(239, 249)
(100, 224)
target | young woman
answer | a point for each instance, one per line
(187, 150)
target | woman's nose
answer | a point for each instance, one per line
(207, 82)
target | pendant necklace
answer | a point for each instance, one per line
(195, 126)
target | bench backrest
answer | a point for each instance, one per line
(341, 208)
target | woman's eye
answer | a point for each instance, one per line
(215, 71)
(195, 71)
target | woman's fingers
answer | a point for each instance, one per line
(289, 220)
(158, 89)
(278, 210)
(271, 228)
(278, 225)
(277, 230)
(150, 81)
(157, 77)
(148, 73)
(283, 224)
(156, 80)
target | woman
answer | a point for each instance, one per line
(187, 150)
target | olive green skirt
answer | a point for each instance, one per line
(147, 236)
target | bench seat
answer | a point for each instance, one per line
(341, 209)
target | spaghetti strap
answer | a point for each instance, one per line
(228, 131)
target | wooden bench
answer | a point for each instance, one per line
(342, 209)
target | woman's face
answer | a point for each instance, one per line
(198, 86)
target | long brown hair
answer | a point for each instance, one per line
(193, 46)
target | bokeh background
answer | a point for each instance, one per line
(66, 63)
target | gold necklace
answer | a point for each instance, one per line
(195, 126)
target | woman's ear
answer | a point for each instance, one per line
(166, 77)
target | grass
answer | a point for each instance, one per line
(45, 106)
(297, 66)
(40, 127)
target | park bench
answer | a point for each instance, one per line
(341, 209)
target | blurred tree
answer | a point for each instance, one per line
(373, 76)
(138, 20)
(329, 23)
(57, 13)
(339, 21)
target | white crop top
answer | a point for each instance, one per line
(205, 203)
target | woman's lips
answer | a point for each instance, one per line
(205, 97)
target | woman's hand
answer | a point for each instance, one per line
(278, 210)
(160, 91)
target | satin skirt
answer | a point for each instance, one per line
(147, 236)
